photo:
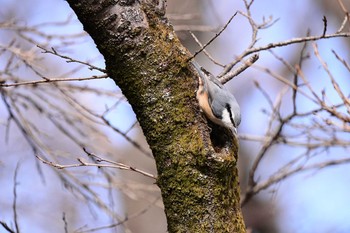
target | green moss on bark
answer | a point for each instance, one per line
(197, 171)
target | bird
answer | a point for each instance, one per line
(218, 104)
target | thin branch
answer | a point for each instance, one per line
(17, 121)
(324, 19)
(7, 228)
(295, 41)
(131, 127)
(295, 78)
(346, 18)
(345, 100)
(347, 66)
(51, 80)
(264, 93)
(125, 167)
(287, 174)
(212, 39)
(252, 50)
(65, 222)
(14, 204)
(83, 163)
(204, 50)
(69, 59)
(248, 5)
(130, 140)
(246, 64)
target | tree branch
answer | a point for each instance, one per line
(109, 164)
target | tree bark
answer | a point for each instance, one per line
(196, 165)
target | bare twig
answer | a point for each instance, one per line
(279, 176)
(246, 64)
(347, 66)
(109, 163)
(324, 19)
(52, 80)
(346, 18)
(212, 39)
(14, 204)
(295, 82)
(295, 41)
(17, 121)
(65, 222)
(252, 50)
(7, 228)
(130, 140)
(69, 59)
(345, 100)
(204, 50)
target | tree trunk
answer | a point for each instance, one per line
(196, 165)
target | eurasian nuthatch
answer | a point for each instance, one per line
(217, 103)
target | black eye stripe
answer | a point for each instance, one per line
(228, 107)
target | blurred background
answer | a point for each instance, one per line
(59, 120)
